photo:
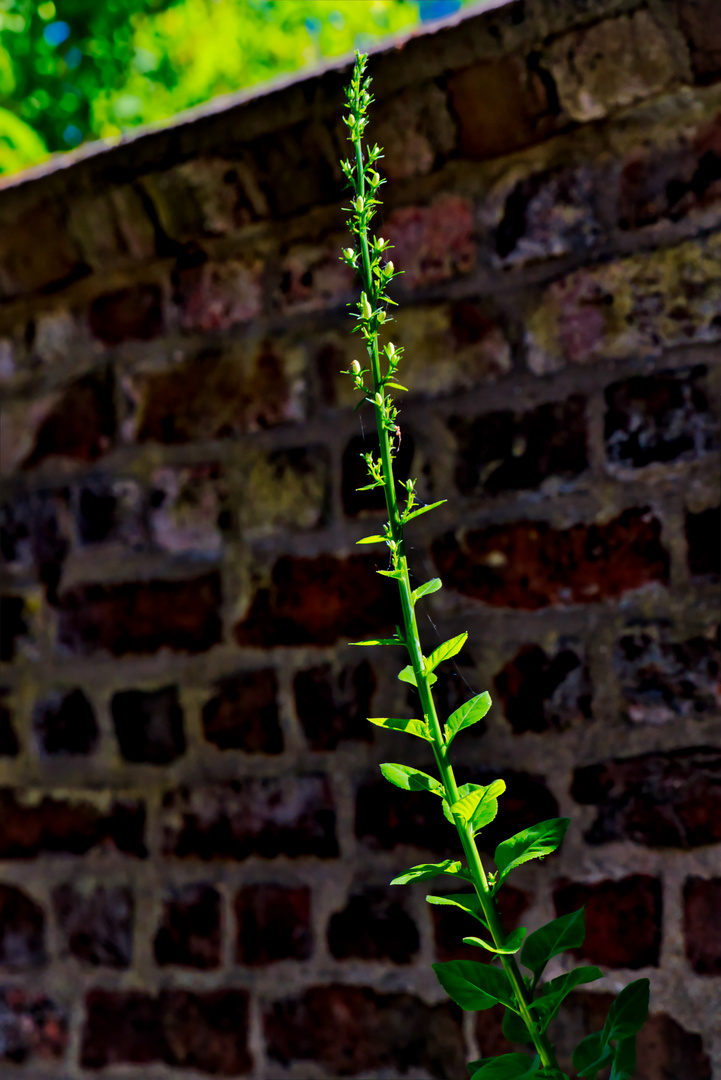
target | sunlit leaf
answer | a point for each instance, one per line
(512, 944)
(531, 843)
(426, 871)
(403, 776)
(468, 714)
(445, 651)
(411, 727)
(474, 986)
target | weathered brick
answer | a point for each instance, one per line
(664, 417)
(291, 816)
(507, 451)
(141, 617)
(9, 745)
(33, 1026)
(298, 168)
(623, 919)
(662, 678)
(373, 925)
(355, 473)
(64, 723)
(636, 306)
(111, 226)
(20, 422)
(216, 296)
(313, 278)
(701, 23)
(274, 923)
(489, 1030)
(135, 312)
(32, 823)
(26, 266)
(243, 714)
(56, 334)
(190, 932)
(96, 923)
(547, 214)
(22, 930)
(12, 625)
(415, 129)
(111, 510)
(207, 1032)
(610, 64)
(149, 725)
(703, 537)
(670, 799)
(188, 509)
(501, 106)
(206, 196)
(286, 489)
(351, 1030)
(432, 243)
(332, 706)
(545, 692)
(529, 565)
(316, 601)
(450, 925)
(701, 905)
(79, 424)
(35, 537)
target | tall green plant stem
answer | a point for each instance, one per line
(412, 641)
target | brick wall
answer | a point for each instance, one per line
(195, 840)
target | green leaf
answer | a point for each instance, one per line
(467, 902)
(514, 1028)
(429, 587)
(396, 386)
(470, 713)
(464, 789)
(591, 1055)
(624, 1059)
(555, 937)
(403, 776)
(371, 539)
(474, 986)
(407, 675)
(479, 807)
(378, 641)
(628, 1012)
(398, 574)
(426, 871)
(397, 723)
(513, 943)
(532, 843)
(421, 510)
(445, 652)
(507, 1067)
(556, 990)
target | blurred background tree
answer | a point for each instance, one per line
(74, 70)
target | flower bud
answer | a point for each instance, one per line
(355, 367)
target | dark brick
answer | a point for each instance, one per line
(189, 935)
(433, 243)
(54, 825)
(670, 799)
(141, 617)
(22, 930)
(703, 536)
(506, 451)
(110, 510)
(623, 920)
(702, 930)
(548, 214)
(292, 816)
(9, 746)
(243, 715)
(373, 925)
(489, 1029)
(81, 426)
(188, 509)
(333, 707)
(316, 601)
(207, 1031)
(149, 725)
(701, 23)
(663, 679)
(96, 923)
(351, 1030)
(542, 692)
(12, 625)
(31, 265)
(274, 923)
(529, 564)
(32, 539)
(664, 417)
(129, 313)
(64, 723)
(450, 925)
(355, 473)
(32, 1026)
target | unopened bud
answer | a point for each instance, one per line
(389, 268)
(355, 367)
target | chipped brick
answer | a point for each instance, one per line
(243, 714)
(663, 679)
(274, 923)
(548, 214)
(332, 706)
(416, 129)
(313, 278)
(96, 923)
(189, 934)
(287, 489)
(79, 426)
(623, 920)
(64, 723)
(33, 1026)
(133, 313)
(542, 692)
(432, 243)
(188, 509)
(216, 296)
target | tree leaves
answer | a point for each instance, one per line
(468, 714)
(475, 986)
(396, 723)
(566, 932)
(426, 871)
(403, 776)
(445, 652)
(532, 843)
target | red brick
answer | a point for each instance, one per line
(415, 129)
(529, 564)
(313, 278)
(701, 23)
(80, 426)
(702, 931)
(9, 746)
(96, 923)
(623, 920)
(111, 226)
(373, 925)
(450, 925)
(545, 692)
(333, 706)
(316, 601)
(703, 537)
(432, 243)
(548, 214)
(501, 106)
(35, 536)
(351, 1030)
(670, 799)
(291, 816)
(33, 1026)
(286, 489)
(20, 422)
(141, 617)
(64, 723)
(489, 1030)
(190, 932)
(207, 1031)
(662, 678)
(206, 196)
(22, 930)
(110, 510)
(149, 725)
(216, 296)
(135, 312)
(188, 509)
(32, 826)
(274, 923)
(243, 714)
(27, 265)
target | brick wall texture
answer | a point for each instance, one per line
(195, 839)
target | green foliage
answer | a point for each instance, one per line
(392, 723)
(475, 986)
(531, 843)
(506, 1067)
(468, 714)
(403, 776)
(426, 871)
(566, 932)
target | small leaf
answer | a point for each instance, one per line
(371, 539)
(467, 902)
(532, 843)
(555, 937)
(480, 806)
(445, 651)
(507, 1067)
(470, 713)
(421, 510)
(397, 386)
(591, 1055)
(464, 789)
(624, 1059)
(411, 727)
(628, 1012)
(424, 590)
(407, 675)
(378, 641)
(514, 1028)
(556, 990)
(391, 573)
(513, 943)
(403, 776)
(474, 986)
(426, 871)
